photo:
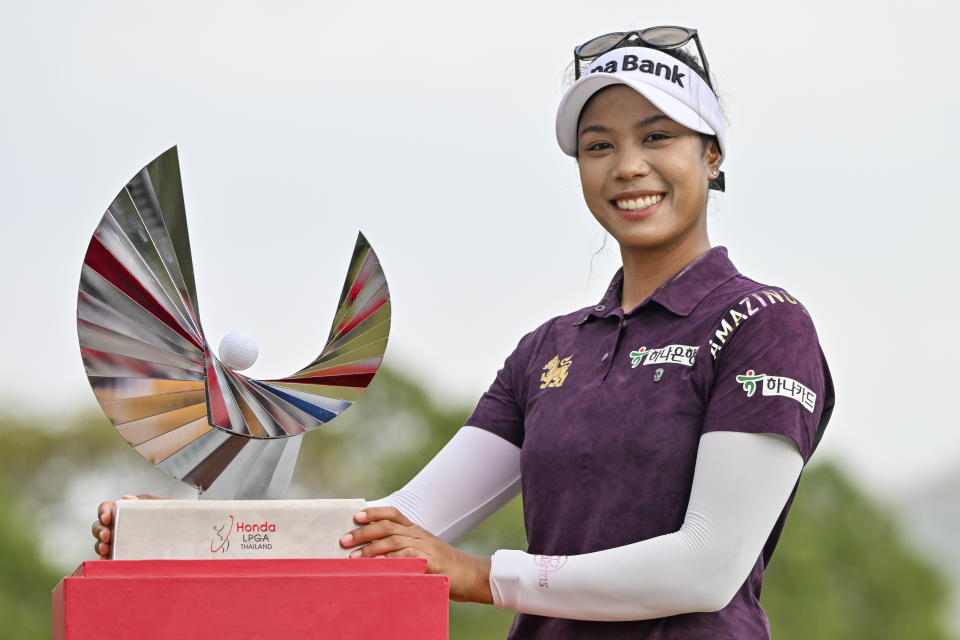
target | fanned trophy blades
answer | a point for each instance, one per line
(157, 378)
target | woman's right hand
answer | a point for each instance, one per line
(103, 525)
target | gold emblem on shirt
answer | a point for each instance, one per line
(556, 372)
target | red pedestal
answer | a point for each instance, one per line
(278, 599)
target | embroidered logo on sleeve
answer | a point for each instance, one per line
(778, 386)
(556, 372)
(547, 565)
(671, 354)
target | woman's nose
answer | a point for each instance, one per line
(631, 164)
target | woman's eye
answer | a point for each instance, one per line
(599, 146)
(656, 137)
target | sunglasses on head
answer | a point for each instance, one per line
(667, 37)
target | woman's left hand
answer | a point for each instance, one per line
(388, 533)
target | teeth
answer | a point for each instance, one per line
(640, 203)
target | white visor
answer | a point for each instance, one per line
(667, 83)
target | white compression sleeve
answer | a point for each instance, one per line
(740, 485)
(475, 474)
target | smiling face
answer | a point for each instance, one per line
(644, 176)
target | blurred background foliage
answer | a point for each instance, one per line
(842, 569)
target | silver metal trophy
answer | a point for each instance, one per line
(187, 411)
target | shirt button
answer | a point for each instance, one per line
(605, 356)
(599, 307)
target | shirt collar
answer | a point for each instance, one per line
(680, 294)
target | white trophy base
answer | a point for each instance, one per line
(236, 529)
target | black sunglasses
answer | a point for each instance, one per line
(667, 37)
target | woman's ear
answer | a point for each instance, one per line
(712, 158)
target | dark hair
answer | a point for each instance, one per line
(686, 58)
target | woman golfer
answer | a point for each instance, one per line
(657, 435)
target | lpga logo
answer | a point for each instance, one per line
(547, 565)
(224, 540)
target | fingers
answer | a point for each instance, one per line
(373, 514)
(105, 512)
(390, 544)
(383, 521)
(389, 534)
(102, 544)
(376, 531)
(368, 533)
(102, 528)
(405, 553)
(100, 532)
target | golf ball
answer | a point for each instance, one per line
(238, 350)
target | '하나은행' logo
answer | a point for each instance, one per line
(672, 354)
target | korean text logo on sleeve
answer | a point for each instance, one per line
(778, 386)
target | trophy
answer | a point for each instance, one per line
(191, 413)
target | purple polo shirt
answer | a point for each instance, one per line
(608, 408)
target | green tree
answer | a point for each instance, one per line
(843, 570)
(26, 580)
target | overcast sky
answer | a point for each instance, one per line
(429, 126)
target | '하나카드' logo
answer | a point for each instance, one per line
(778, 386)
